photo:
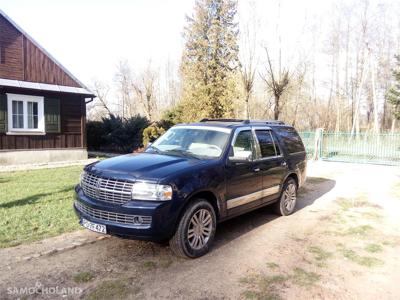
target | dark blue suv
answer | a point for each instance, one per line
(190, 179)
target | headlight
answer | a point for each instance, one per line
(81, 177)
(151, 191)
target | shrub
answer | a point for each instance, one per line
(151, 133)
(117, 134)
(94, 131)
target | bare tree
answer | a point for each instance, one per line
(144, 88)
(276, 83)
(123, 79)
(247, 57)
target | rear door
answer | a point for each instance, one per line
(243, 179)
(271, 162)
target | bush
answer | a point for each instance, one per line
(94, 131)
(117, 134)
(151, 133)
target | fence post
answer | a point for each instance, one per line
(319, 133)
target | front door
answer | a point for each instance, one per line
(244, 178)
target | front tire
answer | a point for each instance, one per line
(196, 230)
(287, 202)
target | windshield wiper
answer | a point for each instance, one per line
(155, 149)
(183, 153)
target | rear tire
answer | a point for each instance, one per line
(195, 233)
(288, 199)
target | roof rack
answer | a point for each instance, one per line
(225, 120)
(244, 121)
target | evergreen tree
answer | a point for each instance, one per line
(210, 61)
(394, 93)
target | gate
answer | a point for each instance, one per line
(371, 148)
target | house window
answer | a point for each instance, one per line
(26, 114)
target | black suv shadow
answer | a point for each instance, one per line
(314, 188)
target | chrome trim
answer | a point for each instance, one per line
(106, 189)
(140, 222)
(252, 197)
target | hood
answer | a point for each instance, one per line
(147, 166)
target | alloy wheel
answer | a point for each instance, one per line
(200, 228)
(289, 197)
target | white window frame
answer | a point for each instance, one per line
(25, 99)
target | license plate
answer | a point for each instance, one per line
(93, 226)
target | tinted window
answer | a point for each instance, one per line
(278, 151)
(291, 139)
(266, 144)
(243, 146)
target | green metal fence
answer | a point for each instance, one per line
(360, 148)
(308, 138)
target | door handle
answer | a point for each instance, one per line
(256, 169)
(283, 163)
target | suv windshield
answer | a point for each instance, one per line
(196, 142)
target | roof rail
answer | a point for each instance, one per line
(244, 121)
(225, 120)
(275, 122)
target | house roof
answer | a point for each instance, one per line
(23, 32)
(45, 87)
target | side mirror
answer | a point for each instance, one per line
(240, 159)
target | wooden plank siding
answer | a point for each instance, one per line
(23, 60)
(11, 47)
(72, 135)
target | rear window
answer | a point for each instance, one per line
(291, 139)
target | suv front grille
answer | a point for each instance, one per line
(142, 222)
(106, 189)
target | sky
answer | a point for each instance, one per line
(89, 37)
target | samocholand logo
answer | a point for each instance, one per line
(40, 289)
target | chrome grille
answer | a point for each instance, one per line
(142, 222)
(106, 189)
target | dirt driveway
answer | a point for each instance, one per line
(343, 242)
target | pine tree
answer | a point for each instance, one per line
(210, 61)
(393, 94)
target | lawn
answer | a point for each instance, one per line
(36, 204)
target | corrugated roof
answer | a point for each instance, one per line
(2, 13)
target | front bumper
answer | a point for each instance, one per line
(118, 218)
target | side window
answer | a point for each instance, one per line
(277, 149)
(266, 143)
(243, 145)
(291, 140)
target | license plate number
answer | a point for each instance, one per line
(94, 226)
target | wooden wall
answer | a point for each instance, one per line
(11, 47)
(73, 132)
(24, 61)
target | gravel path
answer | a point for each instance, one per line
(341, 243)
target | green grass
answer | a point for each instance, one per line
(319, 253)
(361, 230)
(272, 265)
(112, 289)
(304, 278)
(262, 287)
(149, 264)
(373, 248)
(366, 261)
(83, 277)
(37, 204)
